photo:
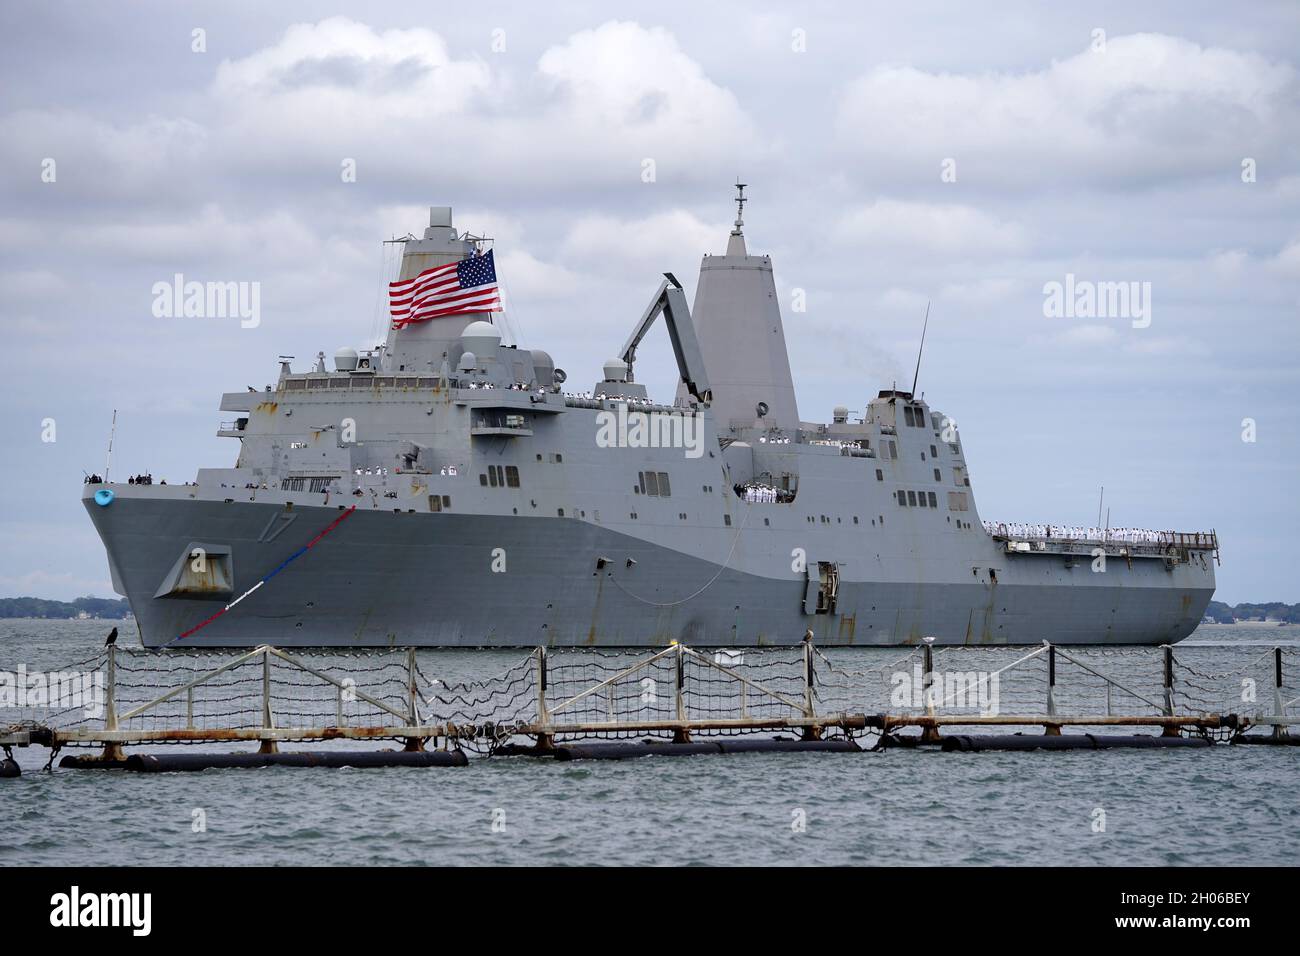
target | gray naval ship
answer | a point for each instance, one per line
(445, 489)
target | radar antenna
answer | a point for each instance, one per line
(924, 325)
(740, 206)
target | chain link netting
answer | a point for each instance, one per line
(634, 694)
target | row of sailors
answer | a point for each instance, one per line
(630, 399)
(512, 387)
(383, 472)
(763, 494)
(763, 439)
(1072, 532)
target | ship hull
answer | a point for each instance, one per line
(386, 578)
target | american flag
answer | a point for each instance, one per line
(454, 289)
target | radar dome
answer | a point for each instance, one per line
(481, 338)
(468, 362)
(345, 360)
(543, 368)
(616, 370)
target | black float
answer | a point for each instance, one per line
(169, 763)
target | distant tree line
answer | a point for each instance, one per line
(115, 608)
(1222, 613)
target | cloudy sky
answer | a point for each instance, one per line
(966, 154)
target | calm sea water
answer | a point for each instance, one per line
(1218, 806)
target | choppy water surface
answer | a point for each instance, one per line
(1218, 806)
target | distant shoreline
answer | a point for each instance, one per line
(92, 608)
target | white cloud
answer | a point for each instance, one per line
(663, 241)
(1150, 107)
(1166, 346)
(400, 103)
(889, 225)
(1087, 335)
(1287, 261)
(981, 290)
(901, 300)
(1229, 263)
(98, 160)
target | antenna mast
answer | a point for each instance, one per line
(109, 459)
(740, 206)
(924, 325)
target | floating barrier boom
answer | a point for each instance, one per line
(550, 702)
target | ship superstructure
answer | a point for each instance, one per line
(449, 489)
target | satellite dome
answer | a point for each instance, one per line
(345, 360)
(481, 338)
(468, 362)
(616, 370)
(543, 368)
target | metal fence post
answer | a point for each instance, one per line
(413, 712)
(544, 740)
(929, 734)
(927, 680)
(680, 684)
(1169, 680)
(1051, 680)
(543, 714)
(1279, 730)
(808, 708)
(681, 735)
(411, 687)
(268, 745)
(112, 750)
(110, 697)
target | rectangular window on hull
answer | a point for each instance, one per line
(512, 476)
(653, 483)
